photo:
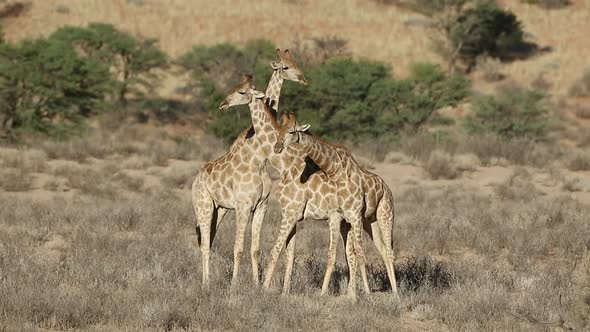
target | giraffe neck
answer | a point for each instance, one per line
(265, 125)
(326, 156)
(273, 92)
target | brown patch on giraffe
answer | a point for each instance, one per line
(242, 168)
(310, 168)
(209, 167)
(250, 132)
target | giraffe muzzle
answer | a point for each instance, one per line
(278, 148)
(223, 106)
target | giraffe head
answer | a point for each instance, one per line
(243, 94)
(290, 132)
(287, 68)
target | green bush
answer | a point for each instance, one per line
(133, 61)
(47, 87)
(357, 100)
(513, 112)
(485, 29)
(471, 29)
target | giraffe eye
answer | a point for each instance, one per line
(242, 92)
(285, 68)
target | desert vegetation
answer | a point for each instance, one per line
(473, 112)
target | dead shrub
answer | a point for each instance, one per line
(318, 50)
(581, 87)
(30, 160)
(85, 178)
(132, 183)
(583, 112)
(136, 162)
(580, 161)
(573, 185)
(468, 162)
(179, 176)
(441, 165)
(518, 187)
(491, 68)
(15, 179)
(550, 4)
(423, 272)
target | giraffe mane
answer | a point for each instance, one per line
(273, 117)
(324, 142)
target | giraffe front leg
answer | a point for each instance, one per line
(288, 223)
(242, 215)
(255, 247)
(334, 224)
(350, 258)
(204, 210)
(290, 260)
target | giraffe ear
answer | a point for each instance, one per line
(303, 128)
(258, 94)
(275, 65)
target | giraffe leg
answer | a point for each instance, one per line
(334, 223)
(288, 223)
(376, 236)
(385, 221)
(204, 211)
(218, 214)
(242, 215)
(290, 260)
(357, 232)
(350, 258)
(255, 246)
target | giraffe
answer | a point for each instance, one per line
(300, 189)
(360, 194)
(238, 180)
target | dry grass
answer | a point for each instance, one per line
(132, 264)
(473, 151)
(120, 253)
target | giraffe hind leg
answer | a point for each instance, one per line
(257, 220)
(334, 223)
(385, 221)
(357, 233)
